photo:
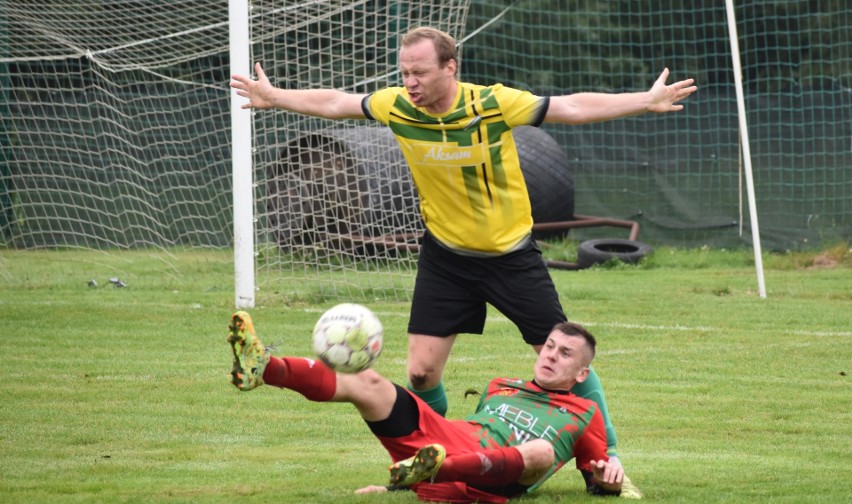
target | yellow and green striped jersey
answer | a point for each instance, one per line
(464, 163)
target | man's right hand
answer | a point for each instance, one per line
(372, 489)
(258, 92)
(607, 474)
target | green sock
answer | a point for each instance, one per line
(592, 389)
(435, 397)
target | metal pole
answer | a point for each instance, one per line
(741, 112)
(243, 176)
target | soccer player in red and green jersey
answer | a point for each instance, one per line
(521, 433)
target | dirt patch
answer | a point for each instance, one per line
(824, 261)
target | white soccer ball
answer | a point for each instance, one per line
(348, 338)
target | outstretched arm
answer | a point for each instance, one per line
(328, 103)
(372, 489)
(582, 108)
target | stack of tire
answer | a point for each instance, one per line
(354, 181)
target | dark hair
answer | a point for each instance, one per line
(444, 43)
(574, 329)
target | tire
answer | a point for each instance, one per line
(593, 252)
(355, 181)
(548, 176)
(339, 182)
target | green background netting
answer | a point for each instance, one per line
(115, 126)
(678, 175)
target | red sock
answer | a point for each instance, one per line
(309, 377)
(497, 467)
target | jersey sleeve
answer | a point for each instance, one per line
(377, 106)
(521, 108)
(611, 436)
(591, 445)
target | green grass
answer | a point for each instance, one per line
(122, 395)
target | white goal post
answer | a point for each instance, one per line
(243, 172)
(746, 147)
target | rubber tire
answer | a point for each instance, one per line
(308, 188)
(548, 176)
(593, 252)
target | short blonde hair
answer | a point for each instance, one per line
(445, 44)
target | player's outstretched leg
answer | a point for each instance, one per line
(250, 356)
(422, 466)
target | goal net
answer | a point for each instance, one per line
(116, 136)
(680, 176)
(337, 214)
(115, 128)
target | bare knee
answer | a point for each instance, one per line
(538, 458)
(419, 381)
(427, 356)
(539, 453)
(423, 375)
(357, 387)
(372, 394)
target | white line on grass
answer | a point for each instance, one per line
(678, 327)
(491, 318)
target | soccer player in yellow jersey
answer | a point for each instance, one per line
(456, 138)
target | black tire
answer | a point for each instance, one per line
(548, 175)
(340, 182)
(354, 181)
(593, 252)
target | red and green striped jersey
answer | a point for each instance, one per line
(511, 412)
(464, 163)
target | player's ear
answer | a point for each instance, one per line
(452, 66)
(583, 374)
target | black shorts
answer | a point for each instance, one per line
(451, 292)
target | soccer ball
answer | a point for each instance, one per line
(348, 338)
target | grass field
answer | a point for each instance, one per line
(122, 395)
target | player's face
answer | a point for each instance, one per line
(563, 361)
(429, 85)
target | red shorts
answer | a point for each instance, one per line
(456, 436)
(456, 492)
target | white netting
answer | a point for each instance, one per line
(336, 199)
(115, 125)
(116, 133)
